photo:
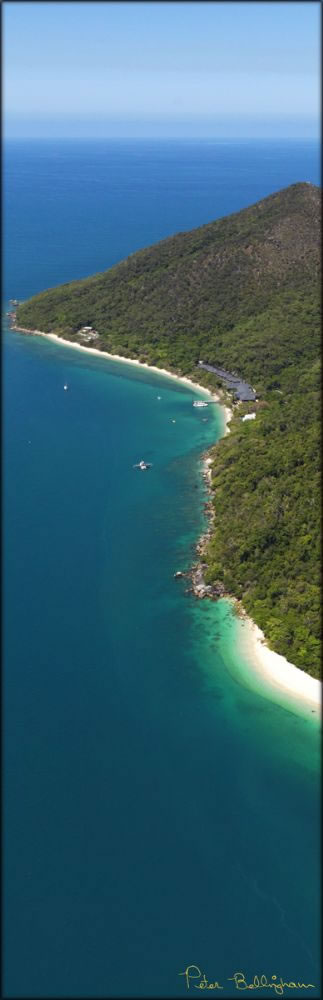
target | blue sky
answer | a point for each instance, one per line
(161, 68)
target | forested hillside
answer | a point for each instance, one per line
(243, 292)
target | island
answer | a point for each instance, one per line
(242, 292)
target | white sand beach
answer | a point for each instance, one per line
(274, 673)
(270, 671)
(214, 397)
(228, 417)
(118, 357)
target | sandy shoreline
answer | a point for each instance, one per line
(273, 673)
(267, 671)
(119, 357)
(270, 671)
(214, 397)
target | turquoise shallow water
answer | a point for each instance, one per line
(158, 813)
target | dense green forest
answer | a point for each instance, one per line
(243, 292)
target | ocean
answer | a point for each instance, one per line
(158, 813)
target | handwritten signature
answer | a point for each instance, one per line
(239, 979)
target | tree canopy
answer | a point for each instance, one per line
(243, 292)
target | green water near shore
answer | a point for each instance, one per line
(237, 682)
(135, 726)
(157, 811)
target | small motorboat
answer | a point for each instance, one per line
(142, 465)
(65, 387)
(200, 402)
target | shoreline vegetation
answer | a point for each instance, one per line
(274, 671)
(243, 294)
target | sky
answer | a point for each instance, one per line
(188, 68)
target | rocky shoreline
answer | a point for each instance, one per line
(195, 574)
(199, 588)
(272, 668)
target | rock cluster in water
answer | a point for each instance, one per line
(199, 587)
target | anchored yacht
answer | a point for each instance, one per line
(142, 465)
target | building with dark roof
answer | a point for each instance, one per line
(241, 389)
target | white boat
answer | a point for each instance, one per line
(199, 402)
(65, 388)
(142, 465)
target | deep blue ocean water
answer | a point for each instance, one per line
(157, 813)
